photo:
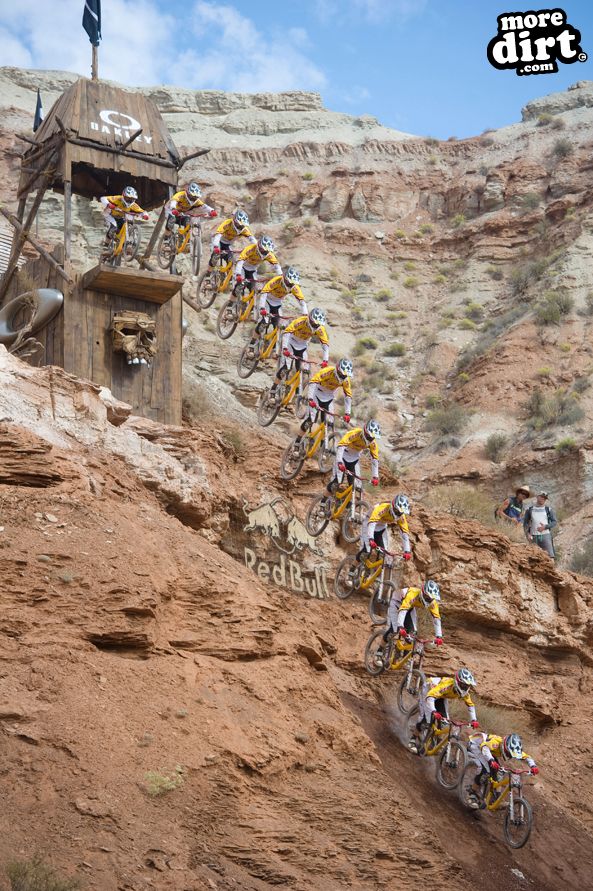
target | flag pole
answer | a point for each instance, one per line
(95, 64)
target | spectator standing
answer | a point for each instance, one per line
(538, 522)
(512, 508)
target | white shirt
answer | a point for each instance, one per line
(539, 515)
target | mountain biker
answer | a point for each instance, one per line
(490, 750)
(234, 227)
(350, 448)
(323, 387)
(182, 202)
(433, 702)
(262, 251)
(375, 526)
(275, 290)
(297, 335)
(115, 208)
(402, 618)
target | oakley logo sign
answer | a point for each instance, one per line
(534, 42)
(116, 123)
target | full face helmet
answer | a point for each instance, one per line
(291, 276)
(400, 506)
(316, 318)
(371, 431)
(512, 746)
(193, 192)
(129, 195)
(464, 681)
(344, 369)
(265, 245)
(430, 592)
(240, 219)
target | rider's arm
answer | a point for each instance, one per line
(216, 239)
(374, 468)
(406, 605)
(105, 201)
(436, 619)
(347, 397)
(393, 612)
(403, 531)
(470, 707)
(246, 233)
(340, 453)
(371, 531)
(239, 267)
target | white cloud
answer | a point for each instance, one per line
(238, 57)
(355, 95)
(12, 50)
(374, 11)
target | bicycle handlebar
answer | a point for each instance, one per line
(514, 770)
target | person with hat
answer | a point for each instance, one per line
(538, 522)
(512, 507)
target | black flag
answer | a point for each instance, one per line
(38, 113)
(91, 20)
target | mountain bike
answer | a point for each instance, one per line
(372, 573)
(180, 240)
(381, 656)
(443, 739)
(319, 440)
(238, 308)
(293, 385)
(346, 503)
(214, 280)
(495, 794)
(123, 244)
(259, 348)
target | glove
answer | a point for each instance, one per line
(436, 716)
(341, 467)
(286, 352)
(263, 313)
(213, 213)
(438, 641)
(372, 544)
(534, 771)
(175, 213)
(216, 250)
(145, 216)
(475, 725)
(375, 481)
(347, 418)
(494, 765)
(407, 556)
(402, 632)
(111, 206)
(239, 279)
(312, 403)
(325, 363)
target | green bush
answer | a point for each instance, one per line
(552, 306)
(562, 148)
(365, 343)
(440, 279)
(581, 384)
(410, 282)
(426, 228)
(467, 325)
(383, 296)
(496, 327)
(433, 400)
(582, 559)
(158, 783)
(448, 419)
(526, 274)
(395, 349)
(409, 266)
(35, 875)
(474, 311)
(308, 176)
(430, 140)
(566, 444)
(495, 447)
(458, 220)
(494, 273)
(544, 119)
(399, 233)
(589, 304)
(560, 409)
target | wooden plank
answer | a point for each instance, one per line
(150, 286)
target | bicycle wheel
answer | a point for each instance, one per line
(466, 783)
(132, 244)
(249, 358)
(292, 460)
(410, 690)
(351, 526)
(227, 319)
(451, 764)
(196, 252)
(376, 655)
(327, 455)
(319, 514)
(207, 287)
(347, 578)
(165, 250)
(379, 603)
(269, 406)
(518, 829)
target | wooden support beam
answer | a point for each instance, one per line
(38, 247)
(26, 139)
(129, 141)
(191, 302)
(153, 239)
(139, 156)
(187, 158)
(95, 63)
(60, 124)
(45, 172)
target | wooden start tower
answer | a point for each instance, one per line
(96, 139)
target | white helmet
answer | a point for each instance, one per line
(316, 318)
(129, 195)
(400, 505)
(265, 245)
(344, 368)
(240, 219)
(193, 191)
(371, 431)
(291, 276)
(512, 746)
(464, 680)
(430, 592)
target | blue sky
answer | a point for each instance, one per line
(417, 65)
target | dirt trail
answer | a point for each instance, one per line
(476, 840)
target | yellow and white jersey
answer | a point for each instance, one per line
(276, 287)
(121, 208)
(251, 256)
(412, 597)
(181, 202)
(228, 231)
(329, 380)
(444, 688)
(354, 441)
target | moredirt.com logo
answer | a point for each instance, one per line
(534, 42)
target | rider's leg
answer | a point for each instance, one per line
(217, 242)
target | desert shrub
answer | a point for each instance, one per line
(399, 233)
(463, 378)
(430, 140)
(410, 282)
(458, 220)
(483, 170)
(566, 444)
(582, 559)
(364, 343)
(433, 400)
(581, 384)
(486, 141)
(383, 296)
(489, 337)
(158, 783)
(461, 500)
(495, 447)
(467, 325)
(474, 311)
(440, 279)
(308, 176)
(544, 119)
(426, 228)
(448, 419)
(552, 306)
(562, 148)
(564, 347)
(35, 875)
(494, 273)
(395, 349)
(400, 314)
(561, 408)
(234, 441)
(409, 266)
(307, 222)
(530, 201)
(558, 124)
(432, 159)
(333, 273)
(544, 371)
